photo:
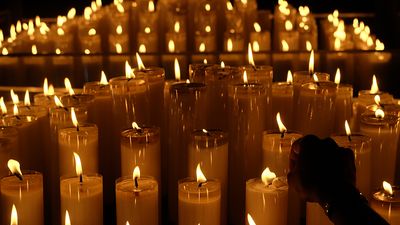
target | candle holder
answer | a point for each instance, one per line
(26, 195)
(387, 205)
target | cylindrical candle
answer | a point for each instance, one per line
(387, 205)
(282, 102)
(26, 195)
(8, 147)
(343, 106)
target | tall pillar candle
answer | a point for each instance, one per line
(217, 79)
(384, 131)
(137, 200)
(267, 199)
(187, 107)
(209, 148)
(246, 105)
(26, 195)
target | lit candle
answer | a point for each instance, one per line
(83, 139)
(209, 148)
(24, 191)
(176, 39)
(47, 97)
(267, 199)
(199, 200)
(290, 36)
(137, 199)
(82, 196)
(197, 72)
(246, 124)
(8, 146)
(383, 129)
(361, 146)
(233, 44)
(386, 203)
(282, 100)
(73, 99)
(262, 37)
(343, 105)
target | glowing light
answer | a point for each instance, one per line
(289, 78)
(250, 55)
(147, 30)
(142, 48)
(16, 111)
(34, 50)
(288, 25)
(202, 47)
(222, 64)
(60, 31)
(3, 106)
(171, 46)
(118, 48)
(4, 51)
(379, 113)
(347, 128)
(14, 97)
(87, 51)
(285, 46)
(151, 6)
(207, 29)
(200, 175)
(256, 46)
(177, 27)
(57, 101)
(87, 12)
(14, 167)
(337, 44)
(267, 176)
(311, 63)
(120, 8)
(27, 100)
(377, 100)
(139, 62)
(136, 173)
(309, 46)
(135, 126)
(37, 21)
(177, 70)
(128, 71)
(67, 219)
(379, 46)
(14, 216)
(71, 13)
(118, 30)
(257, 27)
(229, 6)
(281, 126)
(337, 76)
(245, 80)
(250, 220)
(387, 187)
(207, 7)
(92, 32)
(229, 45)
(103, 79)
(374, 86)
(68, 86)
(78, 164)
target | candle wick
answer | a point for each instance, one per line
(19, 176)
(283, 134)
(77, 128)
(18, 118)
(81, 178)
(136, 182)
(74, 96)
(65, 108)
(254, 67)
(349, 137)
(201, 184)
(29, 108)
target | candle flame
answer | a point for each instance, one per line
(14, 216)
(4, 51)
(135, 126)
(27, 100)
(78, 164)
(222, 64)
(207, 29)
(68, 86)
(315, 77)
(87, 51)
(118, 48)
(140, 62)
(71, 13)
(289, 78)
(347, 128)
(202, 47)
(205, 61)
(142, 48)
(14, 97)
(67, 219)
(288, 25)
(87, 13)
(207, 7)
(387, 187)
(177, 27)
(250, 55)
(127, 223)
(103, 79)
(16, 111)
(136, 172)
(92, 32)
(37, 21)
(257, 27)
(256, 46)
(285, 46)
(99, 3)
(57, 101)
(250, 219)
(245, 80)
(379, 113)
(311, 63)
(377, 99)
(93, 6)
(337, 76)
(73, 117)
(3, 106)
(200, 175)
(34, 50)
(151, 6)
(118, 30)
(51, 90)
(374, 86)
(379, 46)
(171, 46)
(281, 126)
(177, 69)
(204, 131)
(128, 71)
(229, 6)
(14, 167)
(229, 45)
(267, 176)
(309, 46)
(60, 31)
(120, 8)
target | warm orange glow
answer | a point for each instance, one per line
(120, 8)
(118, 48)
(93, 6)
(377, 100)
(151, 6)
(67, 219)
(4, 51)
(103, 79)
(289, 78)
(267, 176)
(229, 45)
(136, 172)
(73, 117)
(374, 86)
(14, 167)
(78, 164)
(347, 128)
(207, 7)
(250, 55)
(308, 46)
(68, 86)
(99, 3)
(171, 46)
(57, 101)
(229, 6)
(92, 32)
(315, 77)
(200, 175)
(222, 64)
(14, 97)
(379, 46)
(205, 61)
(128, 71)
(60, 31)
(337, 76)
(379, 113)
(142, 48)
(281, 126)
(118, 30)
(34, 50)
(27, 100)
(177, 69)
(250, 220)
(71, 13)
(87, 13)
(16, 111)
(87, 51)
(139, 62)
(311, 63)
(177, 27)
(51, 90)
(45, 87)
(256, 46)
(135, 126)
(257, 27)
(3, 106)
(14, 216)
(288, 25)
(37, 21)
(207, 29)
(147, 30)
(285, 46)
(245, 77)
(202, 47)
(387, 187)
(304, 10)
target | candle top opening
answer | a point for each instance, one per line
(384, 196)
(210, 139)
(143, 136)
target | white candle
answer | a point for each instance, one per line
(137, 199)
(282, 102)
(344, 104)
(25, 191)
(199, 200)
(82, 196)
(267, 199)
(386, 203)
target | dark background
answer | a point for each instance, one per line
(386, 23)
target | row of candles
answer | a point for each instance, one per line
(243, 101)
(122, 26)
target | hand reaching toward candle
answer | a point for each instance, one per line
(323, 172)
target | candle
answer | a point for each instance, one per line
(277, 146)
(343, 105)
(383, 129)
(386, 203)
(290, 36)
(361, 146)
(8, 146)
(217, 79)
(262, 38)
(267, 199)
(82, 138)
(82, 196)
(282, 100)
(316, 109)
(140, 146)
(24, 191)
(197, 72)
(209, 148)
(246, 124)
(137, 199)
(187, 107)
(233, 44)
(47, 97)
(199, 200)
(176, 39)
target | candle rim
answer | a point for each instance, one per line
(381, 194)
(216, 138)
(270, 188)
(187, 87)
(149, 134)
(95, 88)
(18, 120)
(369, 118)
(128, 179)
(10, 180)
(83, 127)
